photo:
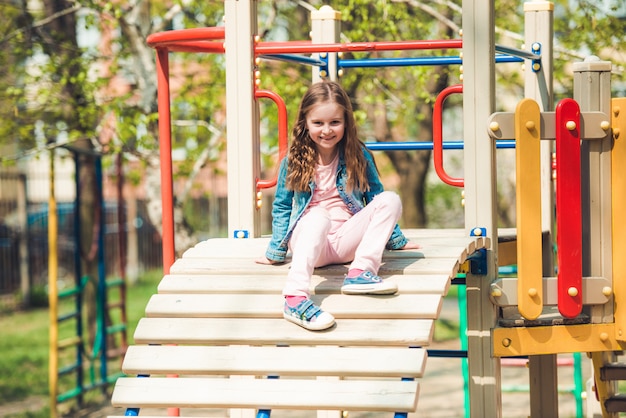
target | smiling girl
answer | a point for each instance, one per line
(330, 207)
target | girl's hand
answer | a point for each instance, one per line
(411, 246)
(265, 260)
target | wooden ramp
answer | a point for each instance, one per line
(216, 322)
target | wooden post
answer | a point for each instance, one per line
(592, 91)
(480, 198)
(325, 29)
(538, 29)
(242, 119)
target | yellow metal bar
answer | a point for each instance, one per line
(69, 342)
(604, 389)
(618, 203)
(528, 206)
(530, 341)
(53, 364)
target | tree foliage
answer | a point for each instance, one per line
(82, 71)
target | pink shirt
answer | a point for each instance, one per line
(327, 196)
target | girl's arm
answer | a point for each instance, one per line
(281, 214)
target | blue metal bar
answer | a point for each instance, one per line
(517, 52)
(266, 413)
(448, 353)
(398, 62)
(134, 412)
(102, 289)
(78, 280)
(459, 281)
(415, 61)
(428, 145)
(300, 59)
(502, 59)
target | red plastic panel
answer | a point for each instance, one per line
(568, 208)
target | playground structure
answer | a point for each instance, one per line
(510, 316)
(84, 348)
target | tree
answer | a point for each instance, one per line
(53, 91)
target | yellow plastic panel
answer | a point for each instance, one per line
(531, 341)
(618, 193)
(528, 205)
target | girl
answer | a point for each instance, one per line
(330, 207)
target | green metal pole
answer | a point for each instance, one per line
(463, 338)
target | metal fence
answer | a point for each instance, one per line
(24, 250)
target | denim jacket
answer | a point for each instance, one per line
(289, 206)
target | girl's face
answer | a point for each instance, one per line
(326, 126)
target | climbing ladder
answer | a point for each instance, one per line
(216, 322)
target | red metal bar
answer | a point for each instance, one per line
(202, 40)
(195, 46)
(568, 208)
(438, 136)
(185, 35)
(165, 152)
(282, 133)
(299, 47)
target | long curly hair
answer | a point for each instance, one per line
(303, 156)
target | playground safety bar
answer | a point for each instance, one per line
(438, 136)
(186, 35)
(282, 132)
(417, 61)
(517, 52)
(299, 59)
(265, 48)
(165, 155)
(428, 145)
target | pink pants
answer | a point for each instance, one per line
(360, 240)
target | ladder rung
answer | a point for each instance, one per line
(616, 403)
(613, 371)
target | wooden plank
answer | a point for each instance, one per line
(278, 361)
(224, 331)
(351, 395)
(242, 266)
(432, 247)
(222, 283)
(271, 306)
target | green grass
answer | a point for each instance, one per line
(24, 346)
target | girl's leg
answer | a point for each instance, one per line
(309, 239)
(363, 237)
